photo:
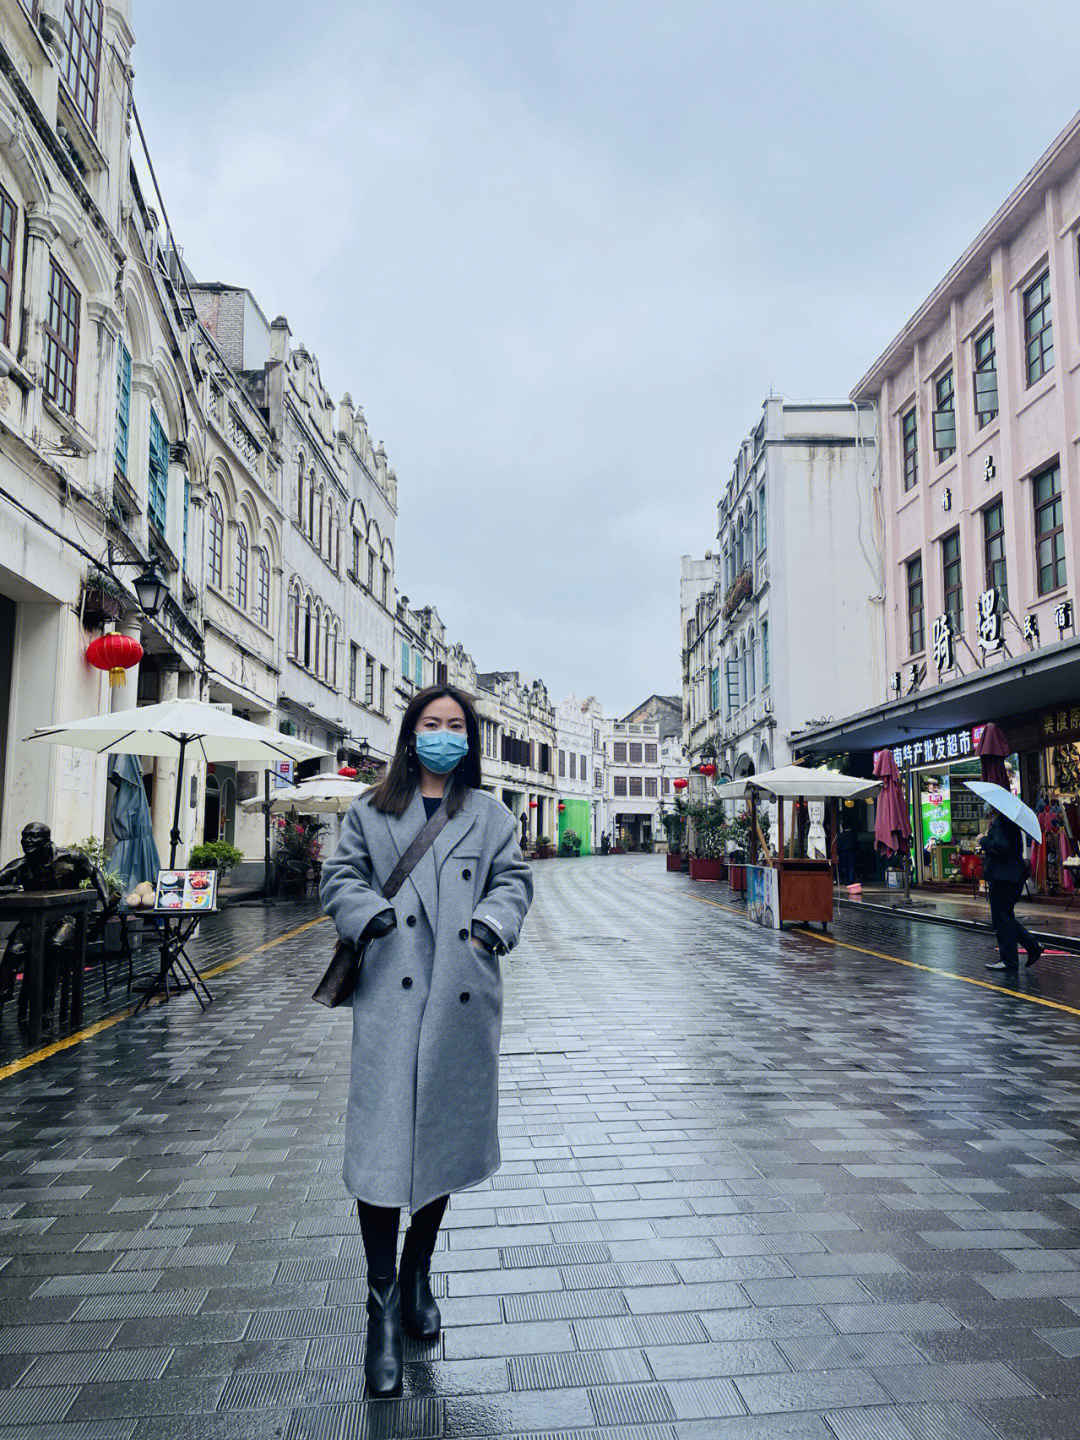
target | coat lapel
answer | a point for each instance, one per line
(403, 831)
(454, 830)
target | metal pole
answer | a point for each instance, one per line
(267, 875)
(911, 843)
(174, 836)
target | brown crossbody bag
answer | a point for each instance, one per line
(343, 972)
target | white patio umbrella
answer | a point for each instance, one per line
(173, 728)
(1009, 805)
(318, 795)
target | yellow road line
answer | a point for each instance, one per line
(89, 1031)
(898, 960)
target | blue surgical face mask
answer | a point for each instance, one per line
(440, 750)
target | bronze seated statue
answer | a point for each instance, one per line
(44, 867)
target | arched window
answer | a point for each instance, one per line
(262, 587)
(316, 652)
(317, 531)
(217, 543)
(752, 691)
(308, 637)
(311, 506)
(329, 644)
(293, 629)
(337, 647)
(242, 565)
(742, 676)
(300, 512)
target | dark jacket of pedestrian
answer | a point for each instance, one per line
(422, 1118)
(1005, 870)
(1003, 849)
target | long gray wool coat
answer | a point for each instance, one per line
(423, 1116)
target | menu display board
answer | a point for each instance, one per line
(186, 892)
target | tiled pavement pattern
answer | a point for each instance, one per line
(754, 1186)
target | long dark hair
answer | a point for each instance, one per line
(394, 793)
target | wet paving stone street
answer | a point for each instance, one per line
(773, 1187)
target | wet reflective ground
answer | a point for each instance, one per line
(754, 1185)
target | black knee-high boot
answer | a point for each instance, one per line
(383, 1358)
(419, 1311)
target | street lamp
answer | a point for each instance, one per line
(150, 588)
(151, 591)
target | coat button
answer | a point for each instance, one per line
(463, 934)
(410, 920)
(466, 874)
(464, 997)
(406, 982)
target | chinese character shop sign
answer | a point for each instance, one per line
(944, 649)
(991, 638)
(938, 749)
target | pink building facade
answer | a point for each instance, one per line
(978, 405)
(978, 401)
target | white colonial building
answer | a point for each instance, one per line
(783, 625)
(579, 740)
(641, 764)
(100, 399)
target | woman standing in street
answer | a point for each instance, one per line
(1005, 870)
(422, 1118)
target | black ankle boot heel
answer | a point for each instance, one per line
(419, 1312)
(383, 1359)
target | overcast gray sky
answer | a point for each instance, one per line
(561, 251)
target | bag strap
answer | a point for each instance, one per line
(415, 853)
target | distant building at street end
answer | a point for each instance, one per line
(662, 710)
(640, 766)
(784, 624)
(579, 743)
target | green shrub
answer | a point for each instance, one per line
(94, 851)
(215, 855)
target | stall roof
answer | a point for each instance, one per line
(792, 782)
(1036, 679)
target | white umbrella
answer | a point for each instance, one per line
(1009, 805)
(795, 782)
(171, 729)
(318, 795)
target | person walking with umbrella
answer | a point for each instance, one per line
(422, 1119)
(1005, 870)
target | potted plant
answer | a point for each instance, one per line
(102, 599)
(710, 837)
(740, 846)
(675, 827)
(216, 855)
(570, 844)
(544, 849)
(94, 851)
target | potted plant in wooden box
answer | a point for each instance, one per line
(710, 837)
(675, 827)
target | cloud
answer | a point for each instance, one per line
(560, 253)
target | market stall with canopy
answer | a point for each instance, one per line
(781, 887)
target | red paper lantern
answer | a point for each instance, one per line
(532, 805)
(680, 783)
(349, 771)
(116, 653)
(562, 807)
(707, 769)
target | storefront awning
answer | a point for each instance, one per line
(1036, 680)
